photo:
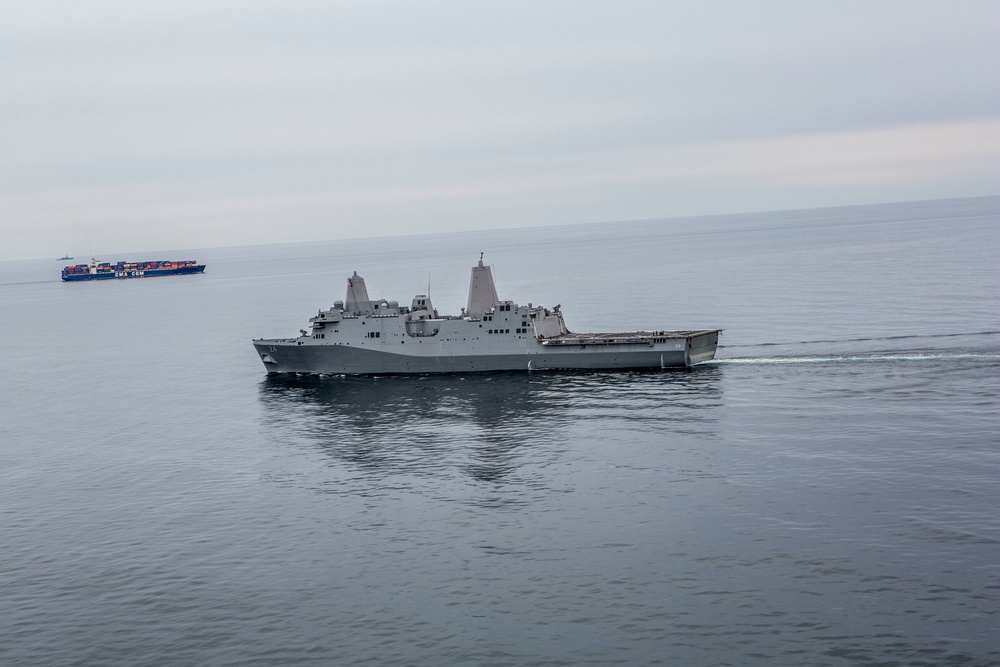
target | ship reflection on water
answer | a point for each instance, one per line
(487, 427)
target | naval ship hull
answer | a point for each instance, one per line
(362, 336)
(678, 350)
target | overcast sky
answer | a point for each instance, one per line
(154, 125)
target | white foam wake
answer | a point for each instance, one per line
(865, 358)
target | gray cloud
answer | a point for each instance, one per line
(162, 125)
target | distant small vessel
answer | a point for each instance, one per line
(361, 336)
(97, 270)
(64, 258)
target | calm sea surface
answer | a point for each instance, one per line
(826, 493)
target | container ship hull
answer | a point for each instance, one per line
(124, 270)
(360, 336)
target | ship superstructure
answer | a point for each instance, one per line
(361, 336)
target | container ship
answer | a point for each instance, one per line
(97, 270)
(363, 336)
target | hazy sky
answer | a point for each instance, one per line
(154, 125)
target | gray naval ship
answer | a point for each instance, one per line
(361, 336)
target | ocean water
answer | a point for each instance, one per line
(826, 493)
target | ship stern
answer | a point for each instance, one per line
(701, 347)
